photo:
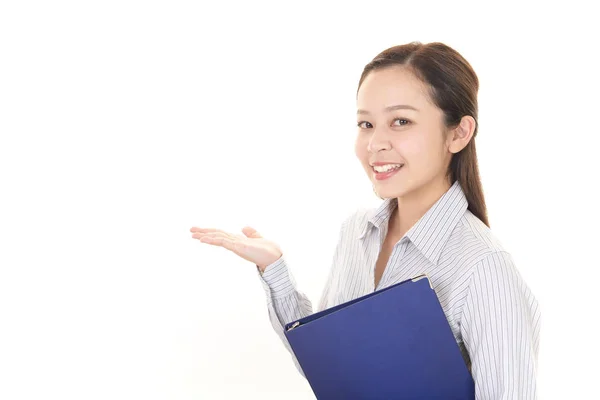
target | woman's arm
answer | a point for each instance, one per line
(285, 302)
(500, 327)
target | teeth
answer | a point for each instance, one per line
(386, 168)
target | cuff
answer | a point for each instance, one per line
(276, 279)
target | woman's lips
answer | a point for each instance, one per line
(385, 175)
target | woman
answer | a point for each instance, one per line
(417, 120)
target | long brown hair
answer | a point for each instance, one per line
(453, 87)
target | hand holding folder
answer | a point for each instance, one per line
(394, 343)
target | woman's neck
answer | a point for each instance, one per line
(413, 206)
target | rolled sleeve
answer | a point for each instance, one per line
(277, 279)
(284, 302)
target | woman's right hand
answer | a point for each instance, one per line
(251, 246)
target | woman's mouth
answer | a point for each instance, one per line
(388, 173)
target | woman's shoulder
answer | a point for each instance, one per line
(472, 246)
(355, 221)
(474, 232)
(351, 221)
(482, 252)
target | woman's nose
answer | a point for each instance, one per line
(378, 141)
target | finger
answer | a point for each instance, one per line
(227, 243)
(251, 232)
(215, 238)
(212, 231)
(196, 229)
(219, 233)
(211, 240)
(230, 244)
(215, 235)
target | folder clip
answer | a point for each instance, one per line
(294, 325)
(419, 277)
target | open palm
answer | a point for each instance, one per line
(251, 246)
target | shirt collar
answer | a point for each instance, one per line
(432, 230)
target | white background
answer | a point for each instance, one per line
(125, 123)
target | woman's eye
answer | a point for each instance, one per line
(403, 122)
(402, 119)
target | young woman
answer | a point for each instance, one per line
(417, 120)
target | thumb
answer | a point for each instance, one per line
(251, 232)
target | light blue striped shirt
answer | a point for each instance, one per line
(493, 314)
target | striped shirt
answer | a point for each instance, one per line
(493, 315)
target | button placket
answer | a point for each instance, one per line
(395, 257)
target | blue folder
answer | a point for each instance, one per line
(394, 343)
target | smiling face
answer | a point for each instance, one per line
(398, 124)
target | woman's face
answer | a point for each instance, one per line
(412, 133)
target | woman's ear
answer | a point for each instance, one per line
(460, 136)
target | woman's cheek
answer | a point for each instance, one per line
(360, 149)
(415, 151)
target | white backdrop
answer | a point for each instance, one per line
(125, 123)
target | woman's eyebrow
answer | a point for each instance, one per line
(390, 108)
